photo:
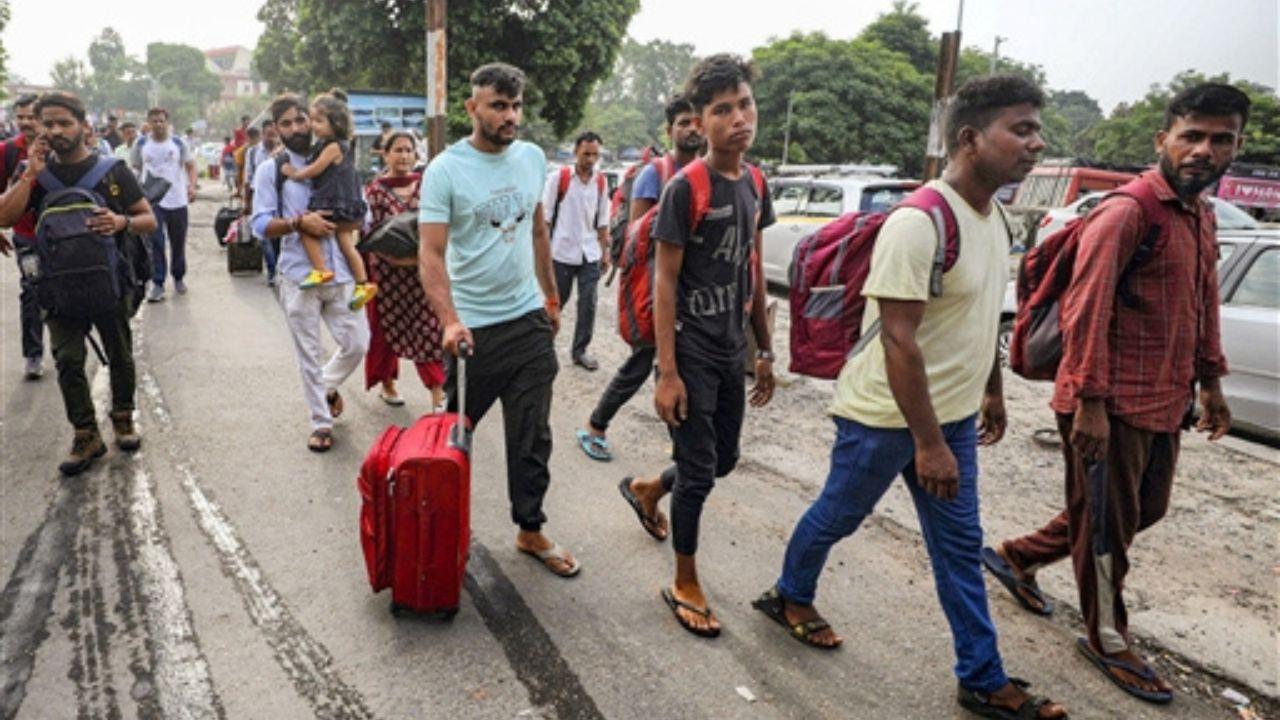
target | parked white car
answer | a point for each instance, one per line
(806, 203)
(1229, 216)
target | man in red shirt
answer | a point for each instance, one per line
(1133, 350)
(12, 154)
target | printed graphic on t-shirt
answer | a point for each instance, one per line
(503, 212)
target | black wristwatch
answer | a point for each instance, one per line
(128, 223)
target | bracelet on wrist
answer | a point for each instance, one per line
(551, 302)
(765, 355)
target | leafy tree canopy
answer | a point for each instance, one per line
(627, 109)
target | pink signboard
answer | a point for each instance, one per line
(1250, 192)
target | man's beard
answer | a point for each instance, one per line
(299, 143)
(496, 138)
(691, 144)
(1192, 186)
(66, 145)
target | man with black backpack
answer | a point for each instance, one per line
(12, 153)
(925, 390)
(686, 142)
(1139, 329)
(86, 207)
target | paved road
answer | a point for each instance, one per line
(217, 573)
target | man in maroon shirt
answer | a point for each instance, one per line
(13, 153)
(1127, 376)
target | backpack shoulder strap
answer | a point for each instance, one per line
(280, 159)
(665, 166)
(11, 151)
(49, 181)
(935, 205)
(699, 191)
(90, 180)
(757, 177)
(562, 187)
(1155, 216)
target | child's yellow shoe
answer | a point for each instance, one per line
(316, 277)
(363, 293)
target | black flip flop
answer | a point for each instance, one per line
(323, 441)
(676, 605)
(650, 524)
(997, 566)
(1104, 663)
(773, 606)
(980, 704)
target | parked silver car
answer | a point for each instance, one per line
(804, 204)
(1249, 282)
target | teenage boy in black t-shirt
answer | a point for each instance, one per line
(704, 282)
(63, 129)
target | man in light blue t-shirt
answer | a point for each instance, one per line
(485, 260)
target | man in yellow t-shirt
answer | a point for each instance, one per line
(909, 402)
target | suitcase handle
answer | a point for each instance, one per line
(459, 434)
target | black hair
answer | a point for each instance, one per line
(159, 110)
(980, 100)
(226, 138)
(385, 124)
(716, 74)
(244, 118)
(507, 79)
(1212, 99)
(398, 134)
(268, 122)
(253, 132)
(587, 136)
(286, 102)
(65, 100)
(334, 106)
(128, 124)
(678, 104)
(24, 100)
(112, 118)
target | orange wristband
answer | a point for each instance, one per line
(550, 303)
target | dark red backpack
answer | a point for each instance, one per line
(829, 269)
(620, 205)
(635, 264)
(1045, 273)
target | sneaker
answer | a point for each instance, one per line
(180, 286)
(271, 281)
(586, 362)
(34, 368)
(86, 448)
(316, 277)
(127, 438)
(156, 294)
(363, 293)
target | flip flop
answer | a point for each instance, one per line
(773, 606)
(1003, 572)
(393, 400)
(554, 552)
(676, 605)
(980, 704)
(1104, 663)
(595, 446)
(320, 441)
(650, 524)
(334, 398)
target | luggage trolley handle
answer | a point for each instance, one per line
(459, 436)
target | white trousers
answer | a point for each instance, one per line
(303, 310)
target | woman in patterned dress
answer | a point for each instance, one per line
(401, 322)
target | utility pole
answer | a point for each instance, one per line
(948, 58)
(437, 56)
(786, 137)
(995, 54)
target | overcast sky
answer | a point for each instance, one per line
(1113, 49)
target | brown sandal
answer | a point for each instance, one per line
(320, 441)
(335, 403)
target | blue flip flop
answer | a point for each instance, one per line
(1104, 665)
(596, 447)
(1001, 570)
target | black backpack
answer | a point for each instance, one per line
(80, 270)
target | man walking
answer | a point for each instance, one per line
(909, 404)
(686, 141)
(282, 215)
(1128, 368)
(12, 153)
(163, 155)
(64, 129)
(254, 157)
(579, 202)
(485, 261)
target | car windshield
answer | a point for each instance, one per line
(1231, 217)
(881, 199)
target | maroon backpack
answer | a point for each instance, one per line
(829, 269)
(1036, 346)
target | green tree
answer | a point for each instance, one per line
(71, 75)
(903, 29)
(311, 45)
(1080, 112)
(854, 101)
(628, 108)
(4, 52)
(224, 117)
(187, 86)
(117, 81)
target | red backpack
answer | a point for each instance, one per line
(620, 205)
(635, 264)
(829, 269)
(562, 189)
(1036, 346)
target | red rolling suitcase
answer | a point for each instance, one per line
(415, 515)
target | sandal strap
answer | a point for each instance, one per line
(809, 627)
(1030, 708)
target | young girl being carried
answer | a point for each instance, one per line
(335, 189)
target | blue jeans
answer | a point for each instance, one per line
(170, 222)
(864, 462)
